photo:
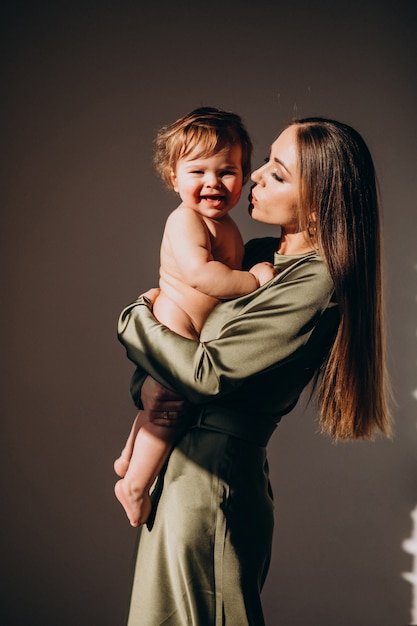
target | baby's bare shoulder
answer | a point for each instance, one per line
(184, 213)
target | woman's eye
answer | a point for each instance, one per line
(278, 178)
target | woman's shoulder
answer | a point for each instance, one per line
(258, 250)
(265, 249)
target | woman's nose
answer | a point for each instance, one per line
(256, 175)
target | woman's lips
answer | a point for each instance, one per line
(251, 199)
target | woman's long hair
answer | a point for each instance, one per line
(338, 184)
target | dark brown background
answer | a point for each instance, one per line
(84, 86)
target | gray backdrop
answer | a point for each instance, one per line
(85, 85)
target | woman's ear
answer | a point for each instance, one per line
(173, 179)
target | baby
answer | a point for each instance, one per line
(205, 156)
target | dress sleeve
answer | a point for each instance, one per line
(264, 330)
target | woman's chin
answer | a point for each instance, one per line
(253, 213)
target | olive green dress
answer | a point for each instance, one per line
(203, 556)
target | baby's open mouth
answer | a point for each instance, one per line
(213, 198)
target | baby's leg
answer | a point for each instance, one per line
(122, 463)
(174, 317)
(150, 451)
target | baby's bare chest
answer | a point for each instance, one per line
(226, 244)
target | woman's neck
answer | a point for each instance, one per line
(295, 243)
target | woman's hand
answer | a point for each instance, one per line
(151, 294)
(165, 407)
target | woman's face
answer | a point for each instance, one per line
(275, 195)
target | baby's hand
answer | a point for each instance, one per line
(263, 272)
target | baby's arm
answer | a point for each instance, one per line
(191, 247)
(264, 272)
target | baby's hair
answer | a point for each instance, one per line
(210, 129)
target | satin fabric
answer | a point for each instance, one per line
(203, 557)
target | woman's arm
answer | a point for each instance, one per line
(261, 331)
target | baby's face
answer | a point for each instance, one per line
(211, 185)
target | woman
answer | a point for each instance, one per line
(204, 555)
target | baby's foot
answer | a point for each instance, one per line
(121, 466)
(136, 504)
